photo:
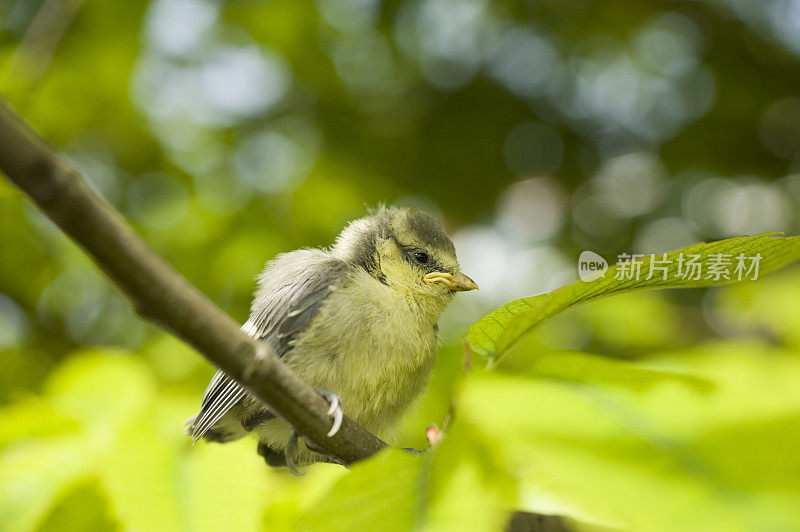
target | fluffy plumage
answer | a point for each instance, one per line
(358, 320)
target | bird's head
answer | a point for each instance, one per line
(407, 250)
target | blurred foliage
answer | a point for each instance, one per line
(228, 131)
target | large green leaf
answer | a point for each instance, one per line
(456, 486)
(663, 457)
(84, 506)
(37, 474)
(379, 494)
(499, 331)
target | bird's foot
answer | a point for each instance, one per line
(292, 447)
(335, 410)
(290, 454)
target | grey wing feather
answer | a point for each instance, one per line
(292, 289)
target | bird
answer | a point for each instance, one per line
(357, 321)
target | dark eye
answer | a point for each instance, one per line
(421, 257)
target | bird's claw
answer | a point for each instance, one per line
(290, 453)
(335, 410)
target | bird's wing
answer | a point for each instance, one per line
(292, 290)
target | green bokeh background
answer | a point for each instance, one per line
(227, 132)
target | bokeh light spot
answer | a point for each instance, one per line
(532, 210)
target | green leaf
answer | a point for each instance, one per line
(36, 474)
(100, 387)
(466, 487)
(456, 486)
(580, 367)
(499, 331)
(381, 493)
(222, 488)
(83, 507)
(33, 418)
(662, 457)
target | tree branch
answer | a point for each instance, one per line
(162, 295)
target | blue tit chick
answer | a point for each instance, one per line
(358, 321)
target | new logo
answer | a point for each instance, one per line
(591, 266)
